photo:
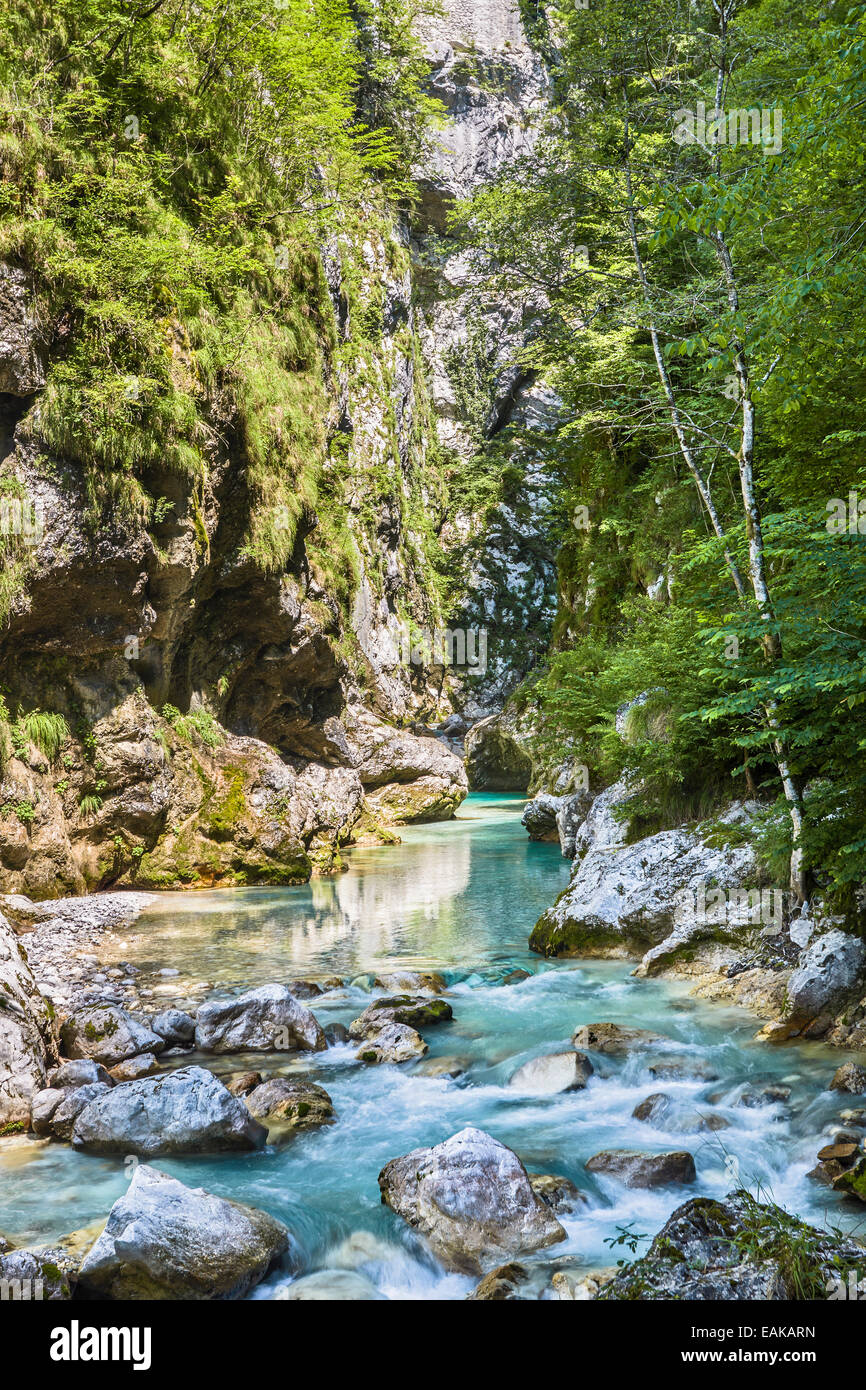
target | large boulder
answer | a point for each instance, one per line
(498, 756)
(187, 1111)
(268, 1019)
(636, 1169)
(828, 972)
(27, 1045)
(629, 899)
(551, 1074)
(539, 816)
(107, 1034)
(472, 1198)
(163, 1240)
(740, 1251)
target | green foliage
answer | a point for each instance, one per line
(198, 725)
(46, 730)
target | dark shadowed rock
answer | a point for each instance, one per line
(500, 1284)
(167, 1241)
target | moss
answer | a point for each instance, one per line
(227, 813)
(14, 1127)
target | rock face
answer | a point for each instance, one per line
(472, 1199)
(105, 1033)
(553, 1073)
(828, 972)
(647, 899)
(636, 1169)
(405, 778)
(268, 1019)
(22, 370)
(163, 1240)
(707, 1250)
(27, 1045)
(184, 1112)
(34, 1275)
(497, 756)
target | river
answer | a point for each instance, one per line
(461, 898)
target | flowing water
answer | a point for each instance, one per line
(461, 898)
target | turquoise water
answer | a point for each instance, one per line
(459, 897)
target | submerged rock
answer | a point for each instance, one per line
(709, 1250)
(637, 1169)
(411, 982)
(285, 1103)
(268, 1019)
(331, 1286)
(163, 1240)
(616, 1039)
(552, 1073)
(472, 1198)
(106, 1033)
(185, 1111)
(662, 1112)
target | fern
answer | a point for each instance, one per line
(47, 731)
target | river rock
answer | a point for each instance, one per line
(135, 1067)
(558, 1193)
(175, 1026)
(55, 1111)
(616, 1039)
(753, 1097)
(828, 971)
(241, 1083)
(163, 1240)
(500, 1284)
(553, 1073)
(82, 1072)
(27, 1044)
(411, 982)
(291, 1104)
(539, 817)
(268, 1019)
(857, 1118)
(106, 1033)
(182, 1112)
(637, 1169)
(400, 1008)
(681, 1069)
(852, 1181)
(662, 1112)
(707, 1251)
(392, 1042)
(850, 1077)
(471, 1197)
(336, 1034)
